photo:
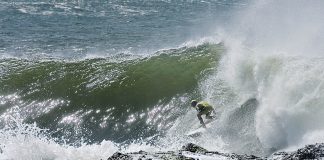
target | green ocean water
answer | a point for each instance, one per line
(105, 98)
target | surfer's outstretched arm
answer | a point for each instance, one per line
(201, 120)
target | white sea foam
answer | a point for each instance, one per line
(274, 55)
(27, 141)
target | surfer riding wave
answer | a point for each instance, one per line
(203, 108)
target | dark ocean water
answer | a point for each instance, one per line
(75, 29)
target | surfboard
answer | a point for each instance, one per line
(197, 132)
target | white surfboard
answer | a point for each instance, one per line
(197, 132)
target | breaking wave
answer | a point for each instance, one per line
(105, 98)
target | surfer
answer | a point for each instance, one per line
(203, 108)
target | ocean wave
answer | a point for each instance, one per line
(103, 96)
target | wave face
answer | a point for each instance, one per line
(101, 99)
